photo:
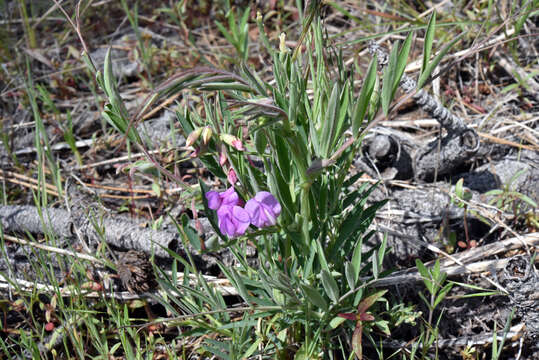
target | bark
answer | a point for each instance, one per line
(119, 231)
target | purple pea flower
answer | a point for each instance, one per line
(216, 199)
(233, 220)
(263, 209)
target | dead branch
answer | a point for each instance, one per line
(119, 231)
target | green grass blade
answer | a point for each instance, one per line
(432, 65)
(364, 97)
(402, 58)
(387, 81)
(429, 38)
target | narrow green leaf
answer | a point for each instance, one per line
(442, 294)
(342, 113)
(432, 65)
(402, 59)
(227, 34)
(387, 81)
(429, 38)
(226, 86)
(436, 270)
(506, 328)
(356, 259)
(336, 322)
(240, 285)
(370, 300)
(107, 75)
(321, 255)
(283, 157)
(374, 100)
(382, 249)
(328, 127)
(250, 351)
(190, 233)
(375, 265)
(422, 269)
(527, 200)
(425, 274)
(314, 296)
(350, 275)
(330, 286)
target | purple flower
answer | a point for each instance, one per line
(216, 200)
(263, 209)
(233, 220)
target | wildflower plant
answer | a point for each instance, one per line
(282, 150)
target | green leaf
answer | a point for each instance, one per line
(387, 81)
(383, 325)
(314, 296)
(283, 157)
(336, 322)
(436, 270)
(494, 192)
(190, 233)
(427, 44)
(342, 116)
(356, 259)
(107, 75)
(432, 65)
(374, 100)
(225, 86)
(425, 274)
(364, 97)
(330, 286)
(442, 294)
(321, 255)
(526, 199)
(375, 265)
(250, 351)
(328, 127)
(350, 275)
(459, 187)
(370, 300)
(237, 281)
(382, 249)
(402, 59)
(227, 34)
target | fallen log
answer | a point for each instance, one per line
(118, 231)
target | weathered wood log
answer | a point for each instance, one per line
(119, 231)
(458, 146)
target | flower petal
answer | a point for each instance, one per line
(229, 197)
(270, 201)
(214, 200)
(269, 215)
(242, 220)
(253, 209)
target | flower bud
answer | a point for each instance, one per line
(232, 141)
(282, 43)
(232, 177)
(222, 158)
(206, 135)
(195, 153)
(193, 137)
